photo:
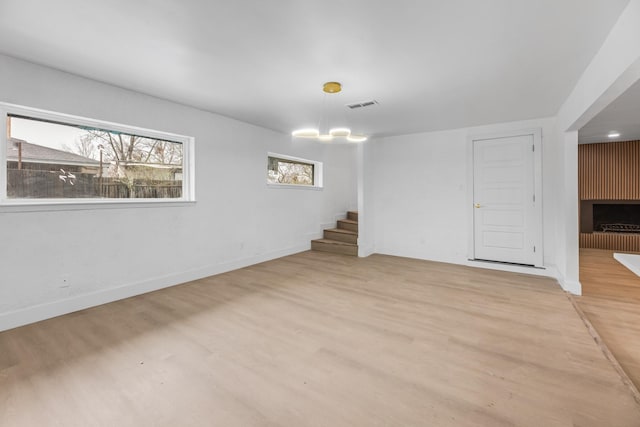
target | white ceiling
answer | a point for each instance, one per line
(622, 116)
(431, 64)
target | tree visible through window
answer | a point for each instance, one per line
(55, 160)
(285, 171)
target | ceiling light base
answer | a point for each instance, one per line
(332, 87)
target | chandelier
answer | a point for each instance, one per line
(333, 133)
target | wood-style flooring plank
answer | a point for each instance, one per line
(611, 301)
(318, 339)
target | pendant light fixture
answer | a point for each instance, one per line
(333, 133)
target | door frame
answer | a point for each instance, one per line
(537, 230)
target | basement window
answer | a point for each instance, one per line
(51, 158)
(292, 171)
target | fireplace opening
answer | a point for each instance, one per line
(616, 218)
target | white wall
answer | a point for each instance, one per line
(420, 195)
(366, 197)
(415, 175)
(420, 205)
(404, 184)
(415, 195)
(614, 69)
(106, 254)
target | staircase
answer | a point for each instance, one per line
(342, 240)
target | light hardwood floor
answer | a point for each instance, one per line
(611, 301)
(319, 339)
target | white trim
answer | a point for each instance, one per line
(294, 186)
(572, 286)
(537, 231)
(470, 191)
(4, 141)
(515, 268)
(537, 191)
(545, 271)
(9, 205)
(570, 214)
(631, 261)
(45, 162)
(89, 122)
(318, 174)
(365, 250)
(326, 226)
(14, 319)
(52, 205)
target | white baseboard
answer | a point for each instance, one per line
(572, 286)
(332, 224)
(326, 226)
(36, 313)
(364, 252)
(535, 271)
(313, 236)
(547, 270)
(339, 216)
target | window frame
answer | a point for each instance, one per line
(317, 172)
(25, 204)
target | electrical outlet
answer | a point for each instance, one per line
(64, 281)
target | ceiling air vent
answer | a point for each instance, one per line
(362, 104)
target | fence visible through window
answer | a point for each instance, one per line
(54, 160)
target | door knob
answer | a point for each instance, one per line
(477, 205)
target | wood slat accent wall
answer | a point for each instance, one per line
(609, 171)
(611, 241)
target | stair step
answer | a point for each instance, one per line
(341, 235)
(334, 246)
(340, 240)
(348, 224)
(342, 231)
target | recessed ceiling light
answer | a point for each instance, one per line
(613, 134)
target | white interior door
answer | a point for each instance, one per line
(504, 213)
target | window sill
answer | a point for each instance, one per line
(89, 204)
(294, 187)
